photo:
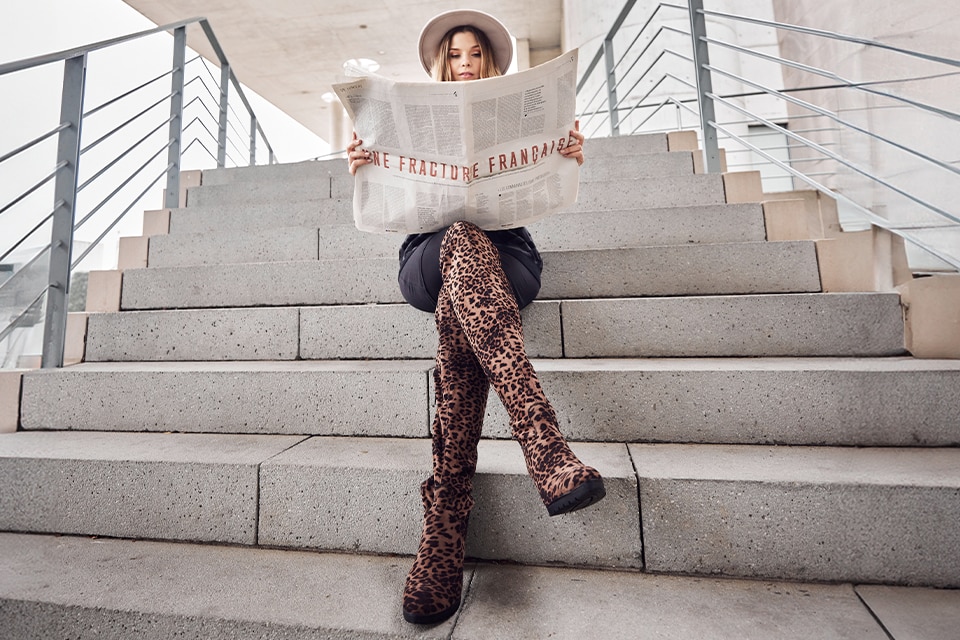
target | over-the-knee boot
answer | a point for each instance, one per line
(487, 311)
(434, 585)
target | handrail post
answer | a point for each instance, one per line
(253, 140)
(611, 80)
(701, 60)
(171, 199)
(224, 96)
(65, 190)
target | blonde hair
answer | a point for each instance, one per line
(440, 70)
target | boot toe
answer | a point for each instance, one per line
(586, 494)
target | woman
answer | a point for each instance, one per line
(476, 282)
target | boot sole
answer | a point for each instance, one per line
(585, 495)
(433, 618)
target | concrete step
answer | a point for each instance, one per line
(611, 229)
(362, 494)
(824, 514)
(808, 325)
(597, 168)
(849, 324)
(715, 326)
(711, 224)
(284, 244)
(691, 269)
(349, 494)
(814, 401)
(385, 398)
(289, 333)
(603, 193)
(52, 587)
(308, 170)
(170, 486)
(624, 147)
(247, 216)
(789, 513)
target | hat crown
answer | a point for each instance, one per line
(433, 32)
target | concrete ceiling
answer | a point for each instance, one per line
(291, 51)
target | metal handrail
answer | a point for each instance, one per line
(642, 107)
(65, 176)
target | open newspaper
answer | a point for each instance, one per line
(485, 151)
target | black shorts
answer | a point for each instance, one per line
(420, 279)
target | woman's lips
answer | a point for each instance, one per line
(466, 76)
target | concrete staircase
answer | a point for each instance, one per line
(265, 391)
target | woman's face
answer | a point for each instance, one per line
(464, 56)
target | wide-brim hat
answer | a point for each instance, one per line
(433, 33)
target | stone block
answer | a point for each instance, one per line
(103, 291)
(512, 522)
(723, 326)
(682, 140)
(790, 220)
(699, 162)
(647, 193)
(133, 253)
(350, 494)
(315, 282)
(76, 338)
(911, 612)
(250, 216)
(384, 398)
(932, 316)
(800, 513)
(400, 331)
(691, 269)
(156, 223)
(194, 334)
(199, 487)
(282, 244)
(880, 402)
(871, 260)
(362, 494)
(189, 180)
(77, 587)
(517, 603)
(708, 224)
(742, 186)
(10, 399)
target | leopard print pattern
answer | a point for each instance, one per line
(482, 300)
(481, 343)
(435, 582)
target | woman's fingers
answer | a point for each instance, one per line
(575, 147)
(355, 156)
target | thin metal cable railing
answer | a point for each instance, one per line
(875, 126)
(104, 162)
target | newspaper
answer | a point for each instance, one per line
(485, 151)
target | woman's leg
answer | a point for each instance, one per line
(483, 303)
(434, 584)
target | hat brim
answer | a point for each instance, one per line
(433, 33)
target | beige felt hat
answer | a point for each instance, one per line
(440, 24)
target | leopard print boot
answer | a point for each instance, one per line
(435, 582)
(565, 484)
(476, 288)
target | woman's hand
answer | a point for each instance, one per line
(574, 150)
(356, 156)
